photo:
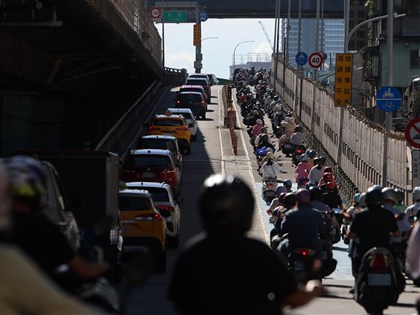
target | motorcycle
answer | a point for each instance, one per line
(329, 264)
(298, 150)
(378, 282)
(269, 187)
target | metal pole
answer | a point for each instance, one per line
(289, 12)
(346, 38)
(299, 67)
(322, 31)
(276, 41)
(234, 50)
(318, 5)
(198, 47)
(275, 45)
(390, 56)
(163, 40)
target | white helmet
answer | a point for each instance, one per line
(416, 193)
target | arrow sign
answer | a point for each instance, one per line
(301, 58)
(388, 99)
(412, 132)
(203, 16)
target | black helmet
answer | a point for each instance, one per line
(303, 195)
(226, 204)
(374, 197)
(290, 200)
(316, 193)
(298, 128)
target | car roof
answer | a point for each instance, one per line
(149, 184)
(192, 86)
(163, 116)
(151, 151)
(166, 137)
(136, 192)
(180, 110)
(190, 92)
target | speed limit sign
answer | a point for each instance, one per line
(155, 13)
(315, 60)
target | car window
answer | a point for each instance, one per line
(141, 161)
(157, 144)
(186, 115)
(158, 194)
(190, 97)
(131, 203)
(168, 122)
(196, 82)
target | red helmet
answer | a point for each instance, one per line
(328, 177)
(328, 170)
(330, 185)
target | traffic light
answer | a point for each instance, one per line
(197, 35)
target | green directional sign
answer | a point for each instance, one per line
(175, 16)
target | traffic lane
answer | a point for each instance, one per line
(205, 158)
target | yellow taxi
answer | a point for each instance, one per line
(143, 225)
(173, 125)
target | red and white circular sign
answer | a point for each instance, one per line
(412, 132)
(155, 12)
(315, 60)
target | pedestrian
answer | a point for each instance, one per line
(222, 271)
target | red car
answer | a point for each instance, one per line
(152, 165)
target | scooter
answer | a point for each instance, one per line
(378, 283)
(298, 150)
(269, 187)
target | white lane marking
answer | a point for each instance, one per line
(219, 100)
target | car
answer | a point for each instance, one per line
(143, 226)
(154, 165)
(189, 116)
(170, 124)
(200, 81)
(165, 201)
(194, 101)
(213, 79)
(194, 88)
(200, 76)
(162, 142)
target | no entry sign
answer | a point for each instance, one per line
(412, 132)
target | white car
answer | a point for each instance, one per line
(189, 117)
(163, 198)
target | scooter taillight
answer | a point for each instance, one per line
(379, 262)
(305, 252)
(299, 151)
(269, 185)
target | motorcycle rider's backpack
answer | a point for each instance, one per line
(376, 285)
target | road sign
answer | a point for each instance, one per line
(301, 58)
(343, 79)
(155, 13)
(175, 16)
(203, 16)
(388, 99)
(315, 60)
(324, 56)
(412, 132)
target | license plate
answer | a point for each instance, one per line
(298, 266)
(380, 279)
(287, 146)
(149, 175)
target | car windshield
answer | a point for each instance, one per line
(190, 97)
(131, 203)
(196, 82)
(186, 115)
(157, 144)
(144, 161)
(158, 194)
(168, 122)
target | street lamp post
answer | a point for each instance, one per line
(203, 39)
(234, 51)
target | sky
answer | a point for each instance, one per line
(217, 53)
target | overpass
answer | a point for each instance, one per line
(225, 9)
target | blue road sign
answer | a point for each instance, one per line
(203, 16)
(301, 58)
(388, 99)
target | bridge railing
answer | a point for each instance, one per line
(362, 139)
(119, 139)
(175, 76)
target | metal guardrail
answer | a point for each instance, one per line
(121, 136)
(175, 76)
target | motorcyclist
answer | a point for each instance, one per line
(24, 288)
(303, 225)
(400, 197)
(311, 156)
(264, 141)
(289, 203)
(316, 172)
(302, 169)
(332, 197)
(34, 233)
(372, 227)
(297, 138)
(413, 210)
(286, 183)
(270, 169)
(226, 208)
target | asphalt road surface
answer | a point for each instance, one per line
(211, 153)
